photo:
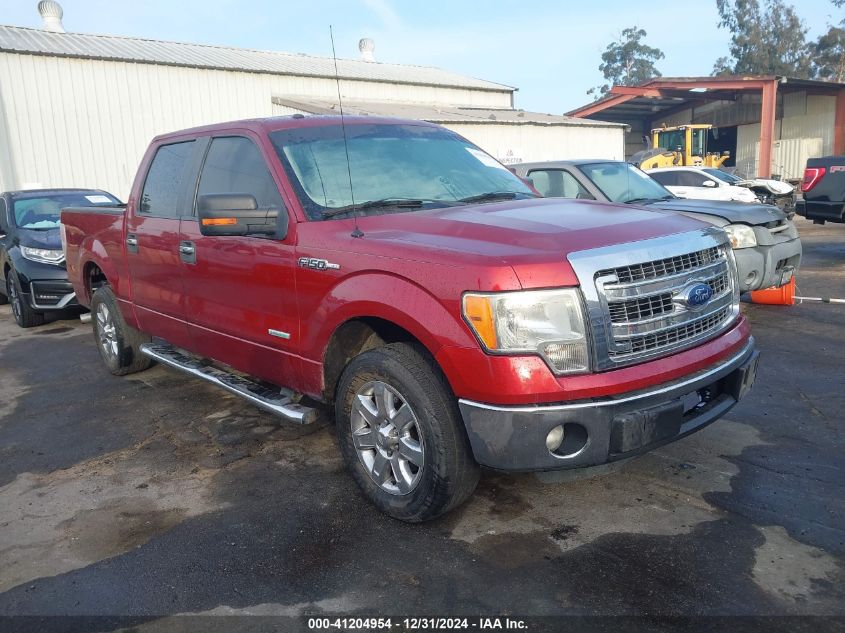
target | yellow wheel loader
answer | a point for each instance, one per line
(683, 145)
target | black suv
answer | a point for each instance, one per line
(32, 263)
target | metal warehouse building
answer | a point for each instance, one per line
(769, 124)
(78, 110)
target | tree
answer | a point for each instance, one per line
(627, 61)
(829, 55)
(829, 51)
(766, 39)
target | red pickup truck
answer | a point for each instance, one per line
(395, 270)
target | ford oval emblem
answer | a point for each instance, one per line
(696, 295)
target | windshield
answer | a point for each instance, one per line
(722, 175)
(399, 167)
(672, 140)
(622, 182)
(43, 211)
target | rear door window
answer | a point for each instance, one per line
(234, 164)
(165, 184)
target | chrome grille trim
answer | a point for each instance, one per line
(634, 309)
(633, 273)
(655, 305)
(690, 330)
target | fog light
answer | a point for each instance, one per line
(555, 438)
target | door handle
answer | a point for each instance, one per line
(131, 243)
(187, 252)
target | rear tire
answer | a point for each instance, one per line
(24, 315)
(118, 343)
(401, 434)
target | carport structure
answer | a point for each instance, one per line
(744, 100)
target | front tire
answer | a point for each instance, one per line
(401, 434)
(24, 315)
(118, 343)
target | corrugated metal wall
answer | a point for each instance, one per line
(805, 117)
(544, 142)
(86, 123)
(747, 141)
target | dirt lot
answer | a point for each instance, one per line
(156, 494)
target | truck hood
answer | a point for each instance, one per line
(526, 235)
(729, 210)
(44, 238)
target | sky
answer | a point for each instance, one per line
(549, 50)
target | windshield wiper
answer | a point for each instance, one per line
(384, 203)
(639, 200)
(495, 195)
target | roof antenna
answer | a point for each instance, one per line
(356, 232)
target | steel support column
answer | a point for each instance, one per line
(768, 110)
(839, 125)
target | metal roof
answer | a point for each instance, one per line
(435, 114)
(131, 49)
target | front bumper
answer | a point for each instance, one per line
(604, 430)
(763, 266)
(44, 296)
(44, 287)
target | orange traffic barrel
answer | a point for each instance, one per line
(783, 296)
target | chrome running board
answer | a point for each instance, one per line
(280, 403)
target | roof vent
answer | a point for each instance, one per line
(366, 46)
(51, 16)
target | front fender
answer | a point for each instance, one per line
(432, 321)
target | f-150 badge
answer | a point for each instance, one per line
(317, 264)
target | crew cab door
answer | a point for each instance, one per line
(152, 243)
(240, 290)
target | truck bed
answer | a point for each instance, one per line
(825, 199)
(90, 229)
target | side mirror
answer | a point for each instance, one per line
(237, 214)
(708, 183)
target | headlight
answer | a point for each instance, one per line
(545, 322)
(43, 255)
(741, 235)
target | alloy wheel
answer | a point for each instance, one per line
(106, 332)
(387, 437)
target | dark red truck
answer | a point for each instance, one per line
(452, 319)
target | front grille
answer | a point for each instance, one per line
(676, 335)
(663, 267)
(624, 311)
(655, 305)
(639, 295)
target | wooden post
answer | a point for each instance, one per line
(768, 110)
